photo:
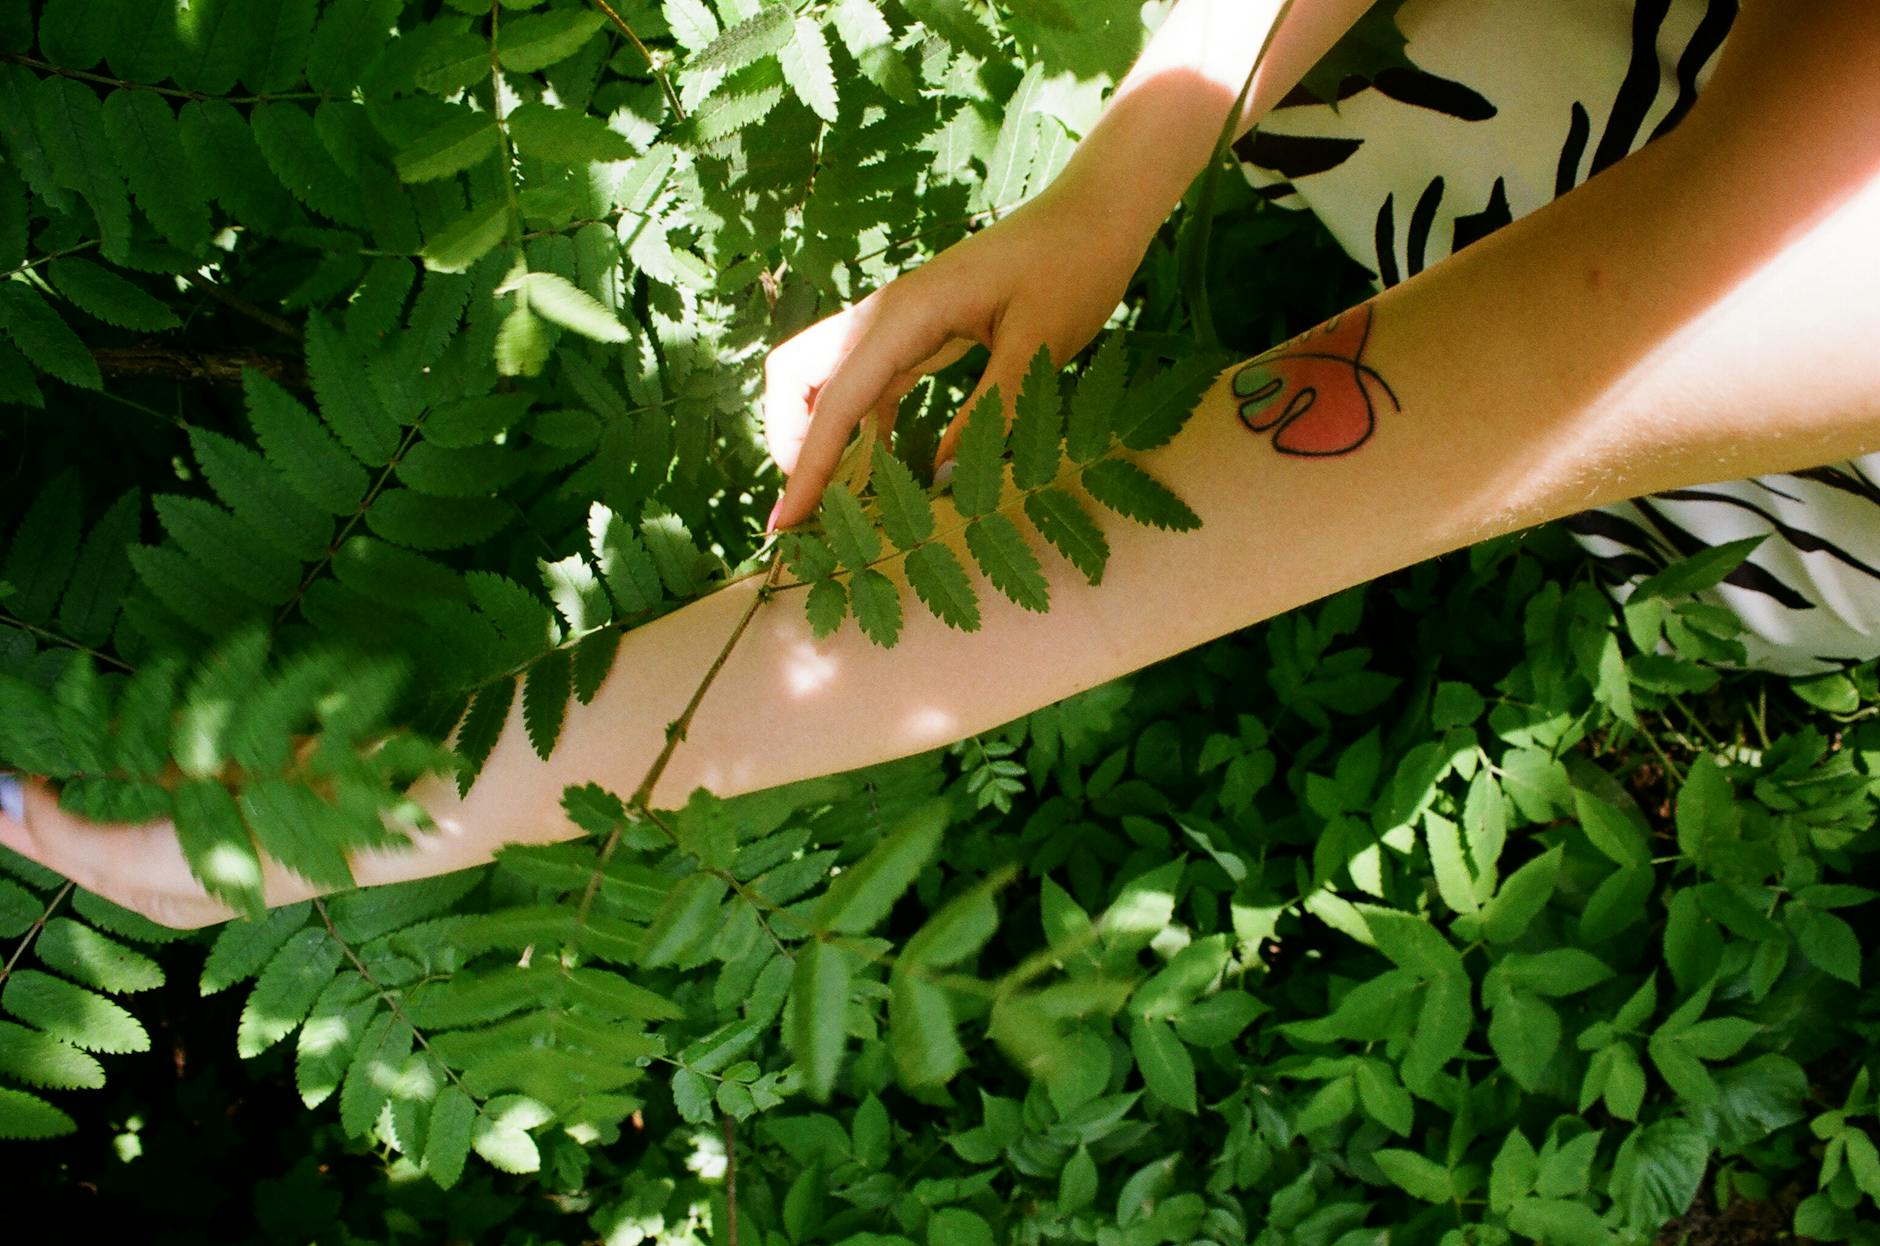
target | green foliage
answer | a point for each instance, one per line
(367, 385)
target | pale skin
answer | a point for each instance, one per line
(1703, 310)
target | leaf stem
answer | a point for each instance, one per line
(392, 1002)
(13, 620)
(26, 939)
(124, 84)
(47, 258)
(672, 98)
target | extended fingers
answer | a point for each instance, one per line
(891, 351)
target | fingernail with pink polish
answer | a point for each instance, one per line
(770, 525)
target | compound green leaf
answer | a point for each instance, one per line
(906, 514)
(937, 578)
(819, 1000)
(1000, 550)
(528, 44)
(1134, 494)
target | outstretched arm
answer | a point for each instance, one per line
(1670, 322)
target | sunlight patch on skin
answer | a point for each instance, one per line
(932, 724)
(808, 669)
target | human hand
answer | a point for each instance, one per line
(138, 866)
(1049, 275)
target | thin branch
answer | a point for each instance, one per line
(352, 521)
(392, 1002)
(672, 96)
(675, 730)
(26, 939)
(13, 620)
(234, 302)
(122, 84)
(47, 258)
(157, 361)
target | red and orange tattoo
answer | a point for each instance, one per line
(1315, 394)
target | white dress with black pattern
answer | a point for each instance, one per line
(1511, 103)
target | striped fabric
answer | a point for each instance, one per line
(1507, 104)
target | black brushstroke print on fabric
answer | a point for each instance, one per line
(1807, 542)
(1638, 90)
(1422, 217)
(1844, 480)
(1705, 41)
(1747, 575)
(1295, 156)
(1384, 238)
(1417, 87)
(1474, 226)
(1567, 173)
(1619, 530)
(1421, 89)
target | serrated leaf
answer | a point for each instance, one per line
(453, 1117)
(467, 139)
(1063, 521)
(851, 536)
(806, 68)
(689, 914)
(293, 149)
(149, 143)
(565, 135)
(217, 543)
(1153, 413)
(521, 343)
(311, 459)
(827, 604)
(906, 514)
(1000, 550)
(1134, 494)
(1038, 425)
(979, 468)
(105, 296)
(545, 700)
(958, 24)
(819, 996)
(407, 517)
(286, 989)
(44, 1061)
(1827, 942)
(349, 403)
(86, 1020)
(229, 167)
(626, 566)
(44, 337)
(561, 302)
(468, 238)
(482, 724)
(27, 1116)
(922, 1032)
(70, 118)
(937, 578)
(877, 606)
(87, 957)
(1093, 406)
(764, 33)
(861, 895)
(528, 44)
(243, 947)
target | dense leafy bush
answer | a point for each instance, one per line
(374, 363)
